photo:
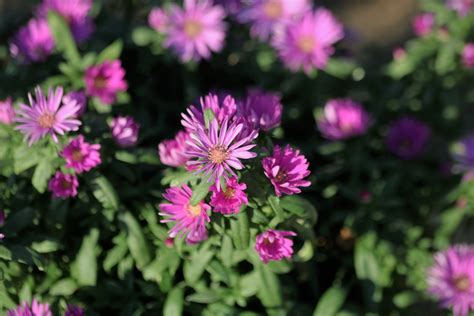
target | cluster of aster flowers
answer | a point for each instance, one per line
(42, 309)
(218, 138)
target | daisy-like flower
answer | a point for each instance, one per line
(451, 279)
(73, 310)
(35, 309)
(265, 16)
(34, 42)
(46, 116)
(407, 137)
(7, 113)
(80, 98)
(308, 42)
(262, 109)
(468, 56)
(216, 151)
(196, 30)
(287, 170)
(462, 7)
(80, 155)
(273, 245)
(63, 185)
(125, 131)
(342, 119)
(173, 151)
(190, 220)
(158, 20)
(422, 24)
(104, 81)
(229, 201)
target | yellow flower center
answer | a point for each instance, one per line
(218, 154)
(100, 82)
(46, 120)
(273, 9)
(281, 176)
(77, 155)
(192, 28)
(229, 193)
(462, 283)
(306, 44)
(194, 210)
(66, 185)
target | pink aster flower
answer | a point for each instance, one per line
(158, 20)
(173, 151)
(273, 245)
(262, 109)
(216, 152)
(190, 220)
(46, 116)
(197, 235)
(462, 7)
(196, 30)
(451, 279)
(104, 81)
(422, 24)
(229, 201)
(35, 309)
(63, 185)
(80, 155)
(34, 42)
(286, 169)
(265, 16)
(80, 98)
(468, 56)
(342, 119)
(73, 310)
(308, 42)
(7, 113)
(125, 131)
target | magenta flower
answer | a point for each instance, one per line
(73, 310)
(189, 220)
(35, 309)
(308, 42)
(468, 56)
(46, 116)
(158, 20)
(399, 53)
(262, 109)
(216, 152)
(80, 155)
(63, 185)
(273, 245)
(125, 131)
(451, 279)
(74, 12)
(342, 119)
(80, 98)
(286, 169)
(173, 151)
(104, 81)
(265, 16)
(407, 137)
(34, 42)
(422, 24)
(7, 113)
(229, 201)
(196, 30)
(462, 7)
(196, 236)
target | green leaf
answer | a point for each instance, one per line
(24, 158)
(446, 59)
(340, 68)
(226, 251)
(84, 268)
(274, 202)
(19, 220)
(331, 301)
(143, 36)
(5, 253)
(269, 290)
(240, 231)
(299, 207)
(117, 253)
(63, 38)
(111, 52)
(46, 246)
(64, 287)
(248, 286)
(194, 268)
(201, 191)
(44, 170)
(136, 241)
(405, 299)
(174, 302)
(105, 193)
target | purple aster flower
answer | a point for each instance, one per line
(287, 170)
(46, 116)
(35, 309)
(232, 7)
(63, 185)
(80, 155)
(158, 20)
(216, 152)
(273, 245)
(451, 279)
(262, 109)
(229, 201)
(125, 131)
(173, 151)
(463, 7)
(342, 119)
(422, 24)
(104, 81)
(407, 137)
(73, 310)
(80, 98)
(190, 220)
(33, 42)
(308, 42)
(7, 113)
(464, 156)
(196, 30)
(197, 235)
(468, 56)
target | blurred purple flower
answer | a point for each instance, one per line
(422, 24)
(232, 7)
(463, 7)
(63, 185)
(125, 131)
(173, 151)
(35, 309)
(33, 42)
(468, 55)
(407, 137)
(463, 155)
(273, 245)
(262, 109)
(104, 81)
(73, 310)
(158, 20)
(7, 113)
(78, 97)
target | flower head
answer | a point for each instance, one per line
(104, 81)
(46, 116)
(196, 30)
(35, 309)
(173, 151)
(407, 137)
(80, 98)
(230, 200)
(196, 236)
(265, 16)
(468, 56)
(422, 24)
(232, 7)
(342, 119)
(73, 310)
(287, 170)
(80, 155)
(190, 220)
(462, 7)
(158, 20)
(308, 42)
(273, 245)
(463, 154)
(63, 185)
(34, 42)
(262, 109)
(451, 279)
(125, 131)
(7, 113)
